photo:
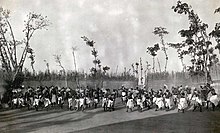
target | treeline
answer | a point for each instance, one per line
(73, 76)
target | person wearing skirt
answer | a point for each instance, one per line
(182, 105)
(110, 104)
(104, 103)
(167, 96)
(36, 102)
(196, 99)
(76, 105)
(140, 103)
(130, 104)
(214, 99)
(82, 103)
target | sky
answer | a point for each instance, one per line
(122, 30)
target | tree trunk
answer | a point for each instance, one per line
(153, 64)
(159, 64)
(76, 76)
(165, 52)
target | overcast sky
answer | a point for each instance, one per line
(122, 29)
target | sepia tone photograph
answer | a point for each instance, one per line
(109, 66)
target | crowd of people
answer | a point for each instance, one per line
(132, 98)
(54, 96)
(177, 97)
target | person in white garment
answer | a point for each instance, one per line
(182, 104)
(196, 100)
(167, 96)
(130, 104)
(123, 96)
(158, 100)
(82, 102)
(140, 103)
(214, 99)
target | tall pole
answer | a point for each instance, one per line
(74, 59)
(116, 71)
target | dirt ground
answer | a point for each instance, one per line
(190, 122)
(96, 120)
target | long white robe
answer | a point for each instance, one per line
(168, 102)
(159, 102)
(53, 100)
(214, 99)
(81, 102)
(130, 103)
(110, 103)
(182, 103)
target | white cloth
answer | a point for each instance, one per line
(124, 98)
(159, 102)
(60, 100)
(36, 102)
(168, 102)
(96, 101)
(199, 100)
(110, 103)
(15, 101)
(130, 103)
(81, 102)
(70, 102)
(189, 96)
(174, 96)
(182, 103)
(194, 98)
(53, 100)
(104, 101)
(214, 99)
(88, 101)
(140, 103)
(143, 98)
(76, 103)
(21, 101)
(47, 102)
(123, 93)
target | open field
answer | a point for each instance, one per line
(96, 120)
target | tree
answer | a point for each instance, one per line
(31, 57)
(133, 69)
(96, 73)
(160, 31)
(153, 52)
(96, 61)
(105, 69)
(216, 32)
(9, 43)
(58, 61)
(197, 44)
(94, 52)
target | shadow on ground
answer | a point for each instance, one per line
(33, 125)
(189, 122)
